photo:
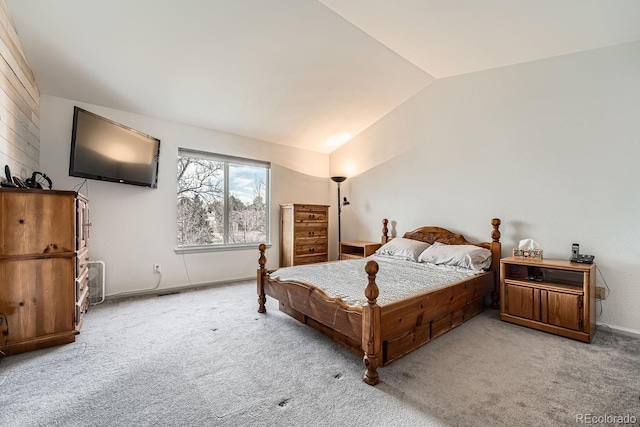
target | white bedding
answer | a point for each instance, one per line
(396, 279)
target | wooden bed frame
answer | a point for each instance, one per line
(382, 334)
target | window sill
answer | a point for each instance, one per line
(221, 248)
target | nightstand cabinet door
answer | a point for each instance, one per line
(38, 298)
(563, 310)
(36, 223)
(555, 308)
(519, 301)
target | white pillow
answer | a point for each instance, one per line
(401, 248)
(465, 256)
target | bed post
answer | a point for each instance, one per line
(371, 327)
(385, 231)
(496, 254)
(262, 299)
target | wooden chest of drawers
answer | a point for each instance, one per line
(43, 267)
(304, 237)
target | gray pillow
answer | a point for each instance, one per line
(465, 256)
(401, 248)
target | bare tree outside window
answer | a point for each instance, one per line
(221, 202)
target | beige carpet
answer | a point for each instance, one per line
(207, 358)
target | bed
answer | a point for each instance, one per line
(378, 328)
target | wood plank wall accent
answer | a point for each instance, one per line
(19, 104)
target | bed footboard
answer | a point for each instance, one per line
(371, 321)
(357, 328)
(262, 271)
(496, 254)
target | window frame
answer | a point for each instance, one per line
(227, 160)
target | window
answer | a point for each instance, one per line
(222, 201)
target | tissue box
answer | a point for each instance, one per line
(528, 253)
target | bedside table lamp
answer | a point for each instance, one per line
(341, 204)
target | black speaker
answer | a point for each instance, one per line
(33, 181)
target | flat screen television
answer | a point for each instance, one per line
(108, 151)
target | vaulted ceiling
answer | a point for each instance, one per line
(304, 73)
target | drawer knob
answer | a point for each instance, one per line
(312, 216)
(311, 233)
(312, 249)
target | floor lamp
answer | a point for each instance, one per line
(341, 203)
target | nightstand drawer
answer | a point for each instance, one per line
(310, 249)
(350, 256)
(311, 233)
(82, 262)
(310, 259)
(310, 216)
(82, 283)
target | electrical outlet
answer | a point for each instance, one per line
(156, 269)
(601, 293)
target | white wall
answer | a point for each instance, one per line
(135, 227)
(551, 147)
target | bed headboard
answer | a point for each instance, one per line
(437, 234)
(430, 234)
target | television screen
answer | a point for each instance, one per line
(108, 151)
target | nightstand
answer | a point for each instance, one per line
(357, 249)
(554, 296)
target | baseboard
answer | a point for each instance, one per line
(618, 330)
(600, 326)
(175, 289)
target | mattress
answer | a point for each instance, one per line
(396, 279)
